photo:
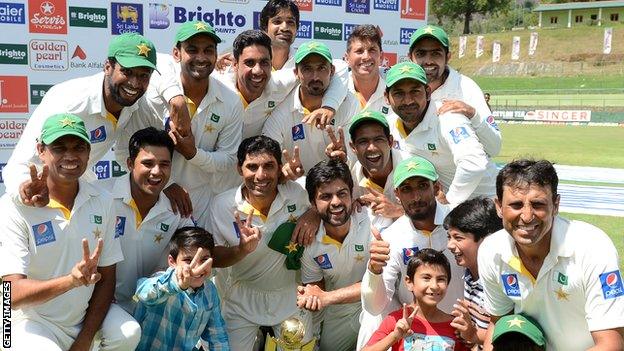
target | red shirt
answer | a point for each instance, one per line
(426, 336)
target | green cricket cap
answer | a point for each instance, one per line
(413, 167)
(367, 116)
(405, 70)
(60, 125)
(133, 50)
(429, 31)
(312, 47)
(189, 29)
(518, 323)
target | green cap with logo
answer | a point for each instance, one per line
(312, 47)
(517, 323)
(367, 116)
(405, 70)
(60, 125)
(430, 31)
(413, 167)
(133, 50)
(188, 29)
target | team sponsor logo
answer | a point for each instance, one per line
(159, 16)
(117, 171)
(611, 283)
(304, 5)
(98, 134)
(348, 28)
(48, 55)
(510, 284)
(14, 54)
(236, 229)
(79, 60)
(164, 227)
(79, 53)
(102, 169)
(408, 252)
(405, 34)
(126, 18)
(120, 226)
(388, 59)
(43, 233)
(13, 94)
(327, 30)
(388, 5)
(298, 133)
(323, 261)
(458, 134)
(328, 2)
(413, 9)
(1, 168)
(47, 16)
(11, 130)
(304, 31)
(357, 6)
(490, 120)
(88, 17)
(256, 20)
(12, 13)
(226, 22)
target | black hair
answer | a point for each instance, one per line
(525, 172)
(327, 171)
(273, 7)
(514, 341)
(186, 238)
(249, 38)
(430, 257)
(258, 144)
(149, 136)
(476, 216)
(352, 133)
(365, 32)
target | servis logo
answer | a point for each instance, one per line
(47, 16)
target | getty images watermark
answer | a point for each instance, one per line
(6, 314)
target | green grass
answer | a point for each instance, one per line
(567, 145)
(616, 185)
(613, 226)
(493, 84)
(565, 100)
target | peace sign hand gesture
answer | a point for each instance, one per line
(249, 236)
(403, 326)
(337, 147)
(34, 192)
(187, 272)
(292, 168)
(380, 204)
(85, 272)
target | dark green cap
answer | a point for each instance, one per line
(188, 29)
(413, 167)
(430, 31)
(60, 125)
(405, 70)
(280, 242)
(312, 47)
(367, 116)
(133, 50)
(518, 323)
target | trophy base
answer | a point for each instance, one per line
(273, 344)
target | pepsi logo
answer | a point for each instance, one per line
(97, 133)
(42, 228)
(612, 279)
(320, 259)
(511, 280)
(118, 221)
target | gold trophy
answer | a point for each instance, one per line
(292, 333)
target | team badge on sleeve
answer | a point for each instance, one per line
(44, 233)
(297, 132)
(120, 226)
(98, 134)
(459, 134)
(510, 284)
(611, 283)
(323, 261)
(408, 252)
(490, 120)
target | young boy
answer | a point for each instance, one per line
(425, 327)
(517, 332)
(179, 307)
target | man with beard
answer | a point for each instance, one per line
(106, 101)
(333, 265)
(259, 289)
(209, 150)
(562, 273)
(383, 291)
(314, 70)
(144, 220)
(451, 91)
(61, 293)
(448, 140)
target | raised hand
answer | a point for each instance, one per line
(292, 168)
(306, 228)
(185, 145)
(337, 147)
(85, 272)
(456, 106)
(403, 326)
(34, 192)
(320, 117)
(180, 200)
(463, 323)
(187, 272)
(249, 235)
(381, 205)
(379, 252)
(223, 61)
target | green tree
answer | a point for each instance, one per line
(465, 9)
